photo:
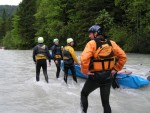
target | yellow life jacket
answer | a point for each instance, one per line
(57, 56)
(67, 57)
(66, 54)
(41, 53)
(56, 50)
(104, 58)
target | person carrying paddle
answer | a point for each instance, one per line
(40, 54)
(57, 55)
(69, 57)
(98, 62)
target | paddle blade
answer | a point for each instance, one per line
(115, 84)
(148, 78)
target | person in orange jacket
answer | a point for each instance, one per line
(69, 57)
(98, 62)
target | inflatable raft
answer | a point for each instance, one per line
(131, 80)
(124, 79)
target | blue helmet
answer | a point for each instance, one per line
(96, 28)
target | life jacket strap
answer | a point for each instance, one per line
(40, 57)
(105, 64)
(57, 56)
(99, 43)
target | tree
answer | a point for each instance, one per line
(105, 19)
(26, 11)
(4, 19)
(137, 22)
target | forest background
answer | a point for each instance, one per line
(125, 21)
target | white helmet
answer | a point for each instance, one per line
(69, 40)
(40, 40)
(55, 40)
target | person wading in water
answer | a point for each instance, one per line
(40, 55)
(69, 57)
(57, 55)
(98, 62)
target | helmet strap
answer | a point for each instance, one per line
(94, 36)
(101, 38)
(69, 44)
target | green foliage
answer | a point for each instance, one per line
(5, 20)
(138, 22)
(7, 43)
(12, 39)
(119, 35)
(17, 40)
(26, 23)
(127, 22)
(48, 24)
(10, 42)
(1, 27)
(105, 19)
(82, 16)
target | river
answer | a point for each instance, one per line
(20, 93)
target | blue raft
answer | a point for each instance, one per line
(131, 80)
(125, 80)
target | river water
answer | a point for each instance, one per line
(20, 93)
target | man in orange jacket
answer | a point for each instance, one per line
(98, 62)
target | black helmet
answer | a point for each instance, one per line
(96, 28)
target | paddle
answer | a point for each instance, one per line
(148, 78)
(114, 82)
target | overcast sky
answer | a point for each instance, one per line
(10, 2)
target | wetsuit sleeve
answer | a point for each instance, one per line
(53, 52)
(87, 53)
(48, 54)
(61, 53)
(34, 53)
(71, 50)
(122, 58)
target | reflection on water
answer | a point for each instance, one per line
(20, 93)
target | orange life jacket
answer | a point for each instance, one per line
(104, 58)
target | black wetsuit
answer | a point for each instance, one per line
(68, 64)
(100, 80)
(57, 55)
(41, 62)
(66, 69)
